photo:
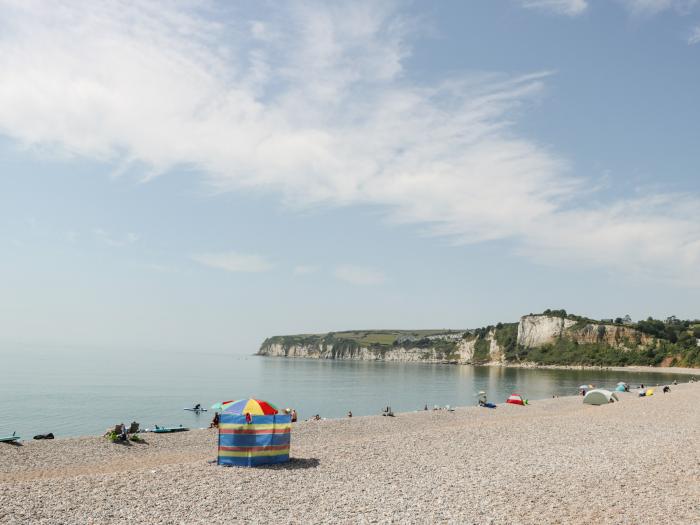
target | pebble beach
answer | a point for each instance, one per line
(553, 461)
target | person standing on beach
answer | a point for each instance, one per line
(294, 415)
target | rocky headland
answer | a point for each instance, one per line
(550, 338)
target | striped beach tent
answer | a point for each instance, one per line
(515, 399)
(264, 440)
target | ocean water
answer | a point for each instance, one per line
(79, 392)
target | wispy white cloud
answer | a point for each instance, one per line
(305, 269)
(694, 37)
(113, 240)
(359, 275)
(652, 7)
(232, 261)
(312, 104)
(560, 7)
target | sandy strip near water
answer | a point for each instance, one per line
(648, 369)
(555, 461)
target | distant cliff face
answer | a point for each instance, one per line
(616, 336)
(362, 353)
(551, 338)
(461, 351)
(538, 330)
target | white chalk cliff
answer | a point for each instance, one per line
(463, 352)
(538, 330)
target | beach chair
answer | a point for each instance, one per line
(133, 428)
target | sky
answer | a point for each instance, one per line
(203, 175)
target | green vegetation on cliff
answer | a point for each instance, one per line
(675, 343)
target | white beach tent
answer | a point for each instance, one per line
(600, 397)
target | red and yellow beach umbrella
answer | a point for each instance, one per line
(254, 407)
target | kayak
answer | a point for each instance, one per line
(168, 430)
(9, 439)
(195, 409)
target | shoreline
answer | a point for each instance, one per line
(526, 365)
(632, 368)
(553, 461)
(441, 409)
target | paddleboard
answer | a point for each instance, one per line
(195, 409)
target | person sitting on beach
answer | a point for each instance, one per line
(317, 417)
(122, 433)
(215, 421)
(667, 389)
(349, 413)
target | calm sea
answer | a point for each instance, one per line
(74, 393)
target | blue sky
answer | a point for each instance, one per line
(202, 176)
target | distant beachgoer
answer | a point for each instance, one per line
(317, 417)
(675, 382)
(349, 413)
(248, 418)
(215, 421)
(294, 416)
(426, 407)
(667, 389)
(198, 406)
